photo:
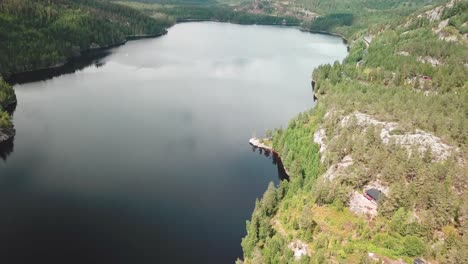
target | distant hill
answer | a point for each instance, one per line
(43, 33)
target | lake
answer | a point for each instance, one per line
(142, 156)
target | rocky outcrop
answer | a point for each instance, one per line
(359, 204)
(403, 53)
(444, 33)
(419, 139)
(389, 133)
(319, 138)
(436, 13)
(429, 60)
(299, 248)
(6, 134)
(368, 39)
(338, 169)
(257, 142)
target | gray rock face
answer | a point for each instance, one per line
(429, 60)
(338, 169)
(436, 13)
(319, 138)
(299, 248)
(6, 134)
(422, 140)
(361, 205)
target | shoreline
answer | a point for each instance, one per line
(7, 134)
(89, 51)
(345, 40)
(257, 143)
(84, 52)
(293, 25)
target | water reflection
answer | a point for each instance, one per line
(6, 148)
(276, 160)
(145, 157)
(73, 65)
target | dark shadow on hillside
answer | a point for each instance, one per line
(328, 22)
(73, 65)
(6, 148)
(276, 159)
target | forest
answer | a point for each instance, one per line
(42, 33)
(413, 76)
(335, 15)
(7, 98)
(202, 12)
(37, 34)
(403, 68)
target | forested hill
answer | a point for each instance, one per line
(391, 119)
(42, 33)
(37, 34)
(344, 17)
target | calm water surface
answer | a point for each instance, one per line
(143, 156)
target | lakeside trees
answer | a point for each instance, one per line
(389, 80)
(38, 34)
(396, 79)
(7, 97)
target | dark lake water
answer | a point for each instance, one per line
(143, 156)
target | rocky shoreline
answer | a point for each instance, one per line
(6, 134)
(258, 143)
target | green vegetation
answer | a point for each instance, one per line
(409, 75)
(347, 17)
(224, 14)
(7, 97)
(42, 33)
(182, 13)
(344, 17)
(328, 22)
(45, 33)
(403, 67)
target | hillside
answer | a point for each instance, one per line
(182, 12)
(37, 34)
(43, 33)
(344, 17)
(392, 117)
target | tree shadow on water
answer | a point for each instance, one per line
(276, 160)
(71, 66)
(6, 148)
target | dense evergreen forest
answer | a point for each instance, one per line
(199, 12)
(7, 97)
(224, 14)
(392, 116)
(344, 17)
(347, 17)
(43, 33)
(38, 34)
